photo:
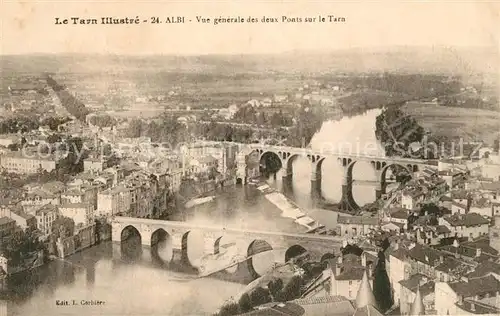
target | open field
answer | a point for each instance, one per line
(137, 112)
(470, 124)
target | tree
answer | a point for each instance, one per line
(312, 269)
(354, 249)
(430, 209)
(103, 120)
(19, 245)
(53, 138)
(245, 303)
(292, 289)
(381, 285)
(275, 286)
(385, 244)
(260, 296)
(13, 147)
(73, 162)
(229, 309)
(63, 227)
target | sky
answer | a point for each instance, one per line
(29, 27)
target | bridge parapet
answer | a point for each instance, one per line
(325, 153)
(241, 237)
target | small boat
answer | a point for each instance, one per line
(199, 201)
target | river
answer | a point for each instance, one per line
(350, 135)
(135, 283)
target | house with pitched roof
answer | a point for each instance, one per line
(348, 272)
(470, 225)
(411, 198)
(38, 197)
(356, 225)
(327, 305)
(416, 284)
(477, 251)
(45, 217)
(469, 296)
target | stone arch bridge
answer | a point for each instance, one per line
(248, 242)
(287, 156)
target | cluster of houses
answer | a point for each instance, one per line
(140, 185)
(460, 279)
(314, 94)
(443, 230)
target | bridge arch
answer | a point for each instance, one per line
(327, 256)
(184, 247)
(319, 166)
(291, 158)
(271, 161)
(129, 231)
(408, 168)
(258, 265)
(131, 243)
(161, 244)
(349, 178)
(257, 246)
(217, 245)
(193, 247)
(294, 251)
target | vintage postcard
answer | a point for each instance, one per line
(326, 158)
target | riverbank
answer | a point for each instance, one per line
(290, 209)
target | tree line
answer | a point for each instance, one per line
(72, 104)
(20, 245)
(168, 129)
(25, 124)
(248, 114)
(397, 131)
(276, 291)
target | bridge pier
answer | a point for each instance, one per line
(177, 251)
(145, 239)
(287, 177)
(380, 190)
(116, 231)
(316, 185)
(286, 181)
(347, 201)
(316, 162)
(344, 204)
(209, 245)
(116, 250)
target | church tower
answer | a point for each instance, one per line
(417, 308)
(365, 295)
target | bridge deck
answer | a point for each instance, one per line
(177, 224)
(309, 151)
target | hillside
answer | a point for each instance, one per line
(398, 59)
(453, 123)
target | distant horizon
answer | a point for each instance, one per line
(367, 49)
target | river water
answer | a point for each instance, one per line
(137, 283)
(350, 135)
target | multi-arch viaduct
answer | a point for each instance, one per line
(248, 242)
(287, 156)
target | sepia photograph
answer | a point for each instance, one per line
(264, 158)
